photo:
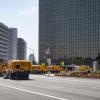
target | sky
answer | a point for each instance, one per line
(23, 15)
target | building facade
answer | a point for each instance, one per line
(12, 43)
(32, 59)
(70, 28)
(21, 49)
(4, 40)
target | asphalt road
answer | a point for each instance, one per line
(50, 88)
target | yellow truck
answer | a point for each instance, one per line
(39, 69)
(18, 69)
(85, 68)
(55, 69)
(2, 69)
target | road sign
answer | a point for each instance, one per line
(49, 61)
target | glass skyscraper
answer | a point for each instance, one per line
(70, 28)
(12, 43)
(21, 49)
(4, 41)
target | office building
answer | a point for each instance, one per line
(70, 28)
(32, 59)
(4, 40)
(21, 49)
(12, 43)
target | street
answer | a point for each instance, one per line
(41, 87)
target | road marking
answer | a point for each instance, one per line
(46, 95)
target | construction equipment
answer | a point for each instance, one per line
(85, 68)
(55, 69)
(18, 69)
(2, 69)
(39, 69)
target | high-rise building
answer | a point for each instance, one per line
(12, 43)
(21, 49)
(70, 28)
(32, 59)
(4, 40)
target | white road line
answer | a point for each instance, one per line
(37, 93)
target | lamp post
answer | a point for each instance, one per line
(31, 49)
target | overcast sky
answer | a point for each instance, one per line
(22, 14)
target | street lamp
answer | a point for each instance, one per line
(31, 49)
